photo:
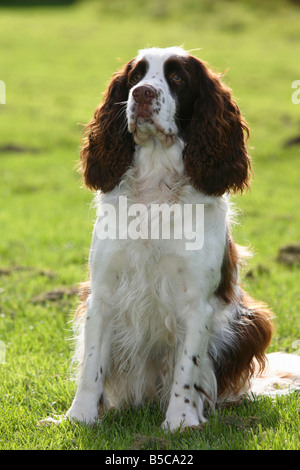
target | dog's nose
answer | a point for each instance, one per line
(144, 94)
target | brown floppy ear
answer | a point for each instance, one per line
(108, 149)
(215, 154)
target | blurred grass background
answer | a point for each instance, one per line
(56, 58)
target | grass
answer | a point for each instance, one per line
(55, 69)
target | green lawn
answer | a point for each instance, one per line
(55, 62)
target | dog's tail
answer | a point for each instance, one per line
(280, 377)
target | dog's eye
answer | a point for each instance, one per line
(135, 78)
(176, 78)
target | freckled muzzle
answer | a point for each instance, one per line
(143, 112)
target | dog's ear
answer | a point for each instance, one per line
(109, 147)
(215, 154)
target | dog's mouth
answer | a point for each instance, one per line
(144, 126)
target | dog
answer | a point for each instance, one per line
(163, 315)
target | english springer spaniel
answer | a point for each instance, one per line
(162, 319)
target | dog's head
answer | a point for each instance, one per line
(168, 94)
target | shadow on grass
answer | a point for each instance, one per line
(232, 427)
(35, 3)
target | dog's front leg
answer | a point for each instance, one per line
(97, 339)
(194, 378)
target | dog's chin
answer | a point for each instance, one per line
(144, 130)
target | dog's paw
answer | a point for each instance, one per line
(185, 419)
(87, 415)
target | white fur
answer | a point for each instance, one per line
(281, 377)
(150, 311)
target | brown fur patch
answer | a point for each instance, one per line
(215, 155)
(229, 272)
(84, 291)
(253, 333)
(109, 147)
